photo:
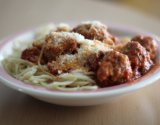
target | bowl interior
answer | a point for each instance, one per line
(119, 31)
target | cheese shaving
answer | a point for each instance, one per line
(58, 37)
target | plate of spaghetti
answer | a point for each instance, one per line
(78, 64)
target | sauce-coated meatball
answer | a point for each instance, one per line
(32, 55)
(147, 42)
(139, 57)
(56, 46)
(114, 69)
(93, 31)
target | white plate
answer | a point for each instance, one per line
(76, 98)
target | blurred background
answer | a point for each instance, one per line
(18, 15)
(149, 7)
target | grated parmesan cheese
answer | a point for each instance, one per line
(59, 71)
(59, 37)
(86, 41)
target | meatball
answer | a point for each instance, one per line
(63, 64)
(139, 57)
(114, 69)
(58, 43)
(93, 31)
(147, 42)
(32, 55)
(93, 60)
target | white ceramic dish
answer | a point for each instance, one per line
(76, 98)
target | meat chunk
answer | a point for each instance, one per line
(58, 43)
(94, 31)
(94, 60)
(147, 42)
(63, 64)
(139, 57)
(32, 55)
(114, 69)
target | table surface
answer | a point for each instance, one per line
(141, 107)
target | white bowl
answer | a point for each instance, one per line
(76, 98)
